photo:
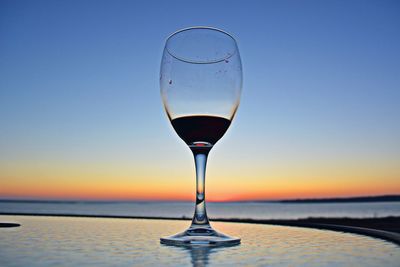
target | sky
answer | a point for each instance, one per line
(81, 115)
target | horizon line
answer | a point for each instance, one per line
(385, 197)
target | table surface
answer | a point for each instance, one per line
(63, 241)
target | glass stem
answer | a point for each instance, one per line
(200, 214)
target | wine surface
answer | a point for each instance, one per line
(200, 128)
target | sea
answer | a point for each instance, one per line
(226, 210)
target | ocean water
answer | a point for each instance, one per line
(251, 210)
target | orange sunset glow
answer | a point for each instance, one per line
(119, 182)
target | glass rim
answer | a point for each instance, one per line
(200, 61)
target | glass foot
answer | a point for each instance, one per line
(200, 236)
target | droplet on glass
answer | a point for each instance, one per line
(170, 82)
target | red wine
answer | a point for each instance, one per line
(207, 129)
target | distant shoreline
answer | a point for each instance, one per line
(385, 198)
(362, 199)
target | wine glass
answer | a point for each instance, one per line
(201, 82)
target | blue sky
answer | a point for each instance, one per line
(79, 83)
